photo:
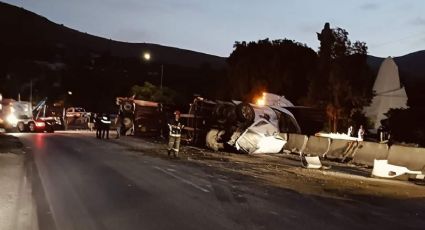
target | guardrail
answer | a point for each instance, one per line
(367, 152)
(295, 143)
(410, 157)
(358, 152)
(317, 146)
(341, 149)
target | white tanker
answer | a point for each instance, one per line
(250, 128)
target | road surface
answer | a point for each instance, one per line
(81, 182)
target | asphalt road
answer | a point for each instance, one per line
(84, 183)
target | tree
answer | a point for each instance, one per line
(407, 125)
(150, 92)
(343, 86)
(279, 66)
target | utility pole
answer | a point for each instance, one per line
(31, 95)
(162, 74)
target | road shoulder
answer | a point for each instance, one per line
(17, 209)
(285, 171)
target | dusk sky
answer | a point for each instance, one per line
(389, 27)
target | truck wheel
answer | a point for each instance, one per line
(211, 139)
(230, 114)
(21, 127)
(218, 113)
(245, 112)
(31, 127)
(50, 129)
(127, 122)
(128, 107)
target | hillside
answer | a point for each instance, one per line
(22, 27)
(58, 59)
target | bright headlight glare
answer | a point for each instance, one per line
(12, 119)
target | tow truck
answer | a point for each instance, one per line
(19, 115)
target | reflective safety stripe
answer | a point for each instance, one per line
(175, 135)
(106, 122)
(175, 129)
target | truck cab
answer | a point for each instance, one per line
(19, 115)
(15, 114)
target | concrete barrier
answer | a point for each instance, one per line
(317, 146)
(409, 157)
(366, 152)
(284, 136)
(341, 149)
(296, 143)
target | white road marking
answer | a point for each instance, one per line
(181, 179)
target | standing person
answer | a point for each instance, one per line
(381, 134)
(360, 133)
(106, 125)
(175, 134)
(118, 123)
(98, 125)
(350, 131)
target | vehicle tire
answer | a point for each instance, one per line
(128, 107)
(31, 127)
(21, 127)
(245, 113)
(219, 113)
(50, 130)
(127, 122)
(230, 114)
(212, 139)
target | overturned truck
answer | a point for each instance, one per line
(140, 117)
(246, 127)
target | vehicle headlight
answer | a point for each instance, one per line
(40, 123)
(12, 119)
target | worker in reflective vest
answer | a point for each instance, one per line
(105, 124)
(175, 134)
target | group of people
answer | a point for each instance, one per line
(360, 132)
(102, 124)
(383, 134)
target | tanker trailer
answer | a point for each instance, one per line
(220, 124)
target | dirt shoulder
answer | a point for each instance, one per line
(285, 171)
(17, 210)
(10, 144)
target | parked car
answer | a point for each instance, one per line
(76, 117)
(75, 112)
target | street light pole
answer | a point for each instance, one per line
(31, 94)
(162, 74)
(147, 57)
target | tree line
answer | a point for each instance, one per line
(335, 79)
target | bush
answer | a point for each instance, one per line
(407, 125)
